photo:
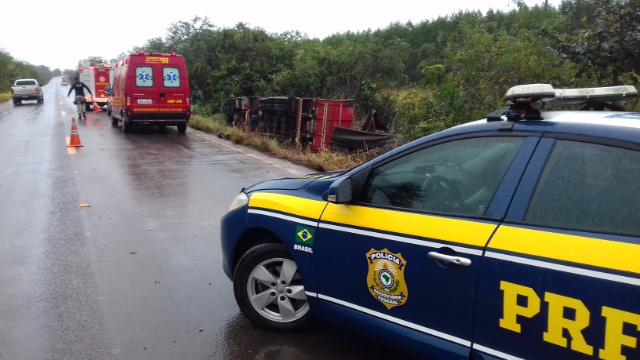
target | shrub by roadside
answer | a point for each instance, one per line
(5, 96)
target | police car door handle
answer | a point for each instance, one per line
(455, 260)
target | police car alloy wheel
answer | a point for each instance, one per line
(269, 289)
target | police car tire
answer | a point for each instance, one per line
(268, 255)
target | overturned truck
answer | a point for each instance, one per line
(308, 122)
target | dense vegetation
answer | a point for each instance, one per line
(419, 78)
(12, 69)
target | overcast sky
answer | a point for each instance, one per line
(58, 33)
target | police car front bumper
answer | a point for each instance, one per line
(232, 226)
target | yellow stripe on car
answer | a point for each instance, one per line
(601, 253)
(463, 232)
(288, 204)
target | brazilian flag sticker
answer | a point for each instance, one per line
(304, 235)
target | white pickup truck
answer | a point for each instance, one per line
(26, 89)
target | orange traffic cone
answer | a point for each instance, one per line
(96, 108)
(74, 140)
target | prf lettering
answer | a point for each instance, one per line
(614, 338)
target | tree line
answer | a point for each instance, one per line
(12, 69)
(419, 78)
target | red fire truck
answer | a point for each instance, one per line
(96, 77)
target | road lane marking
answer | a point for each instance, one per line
(70, 150)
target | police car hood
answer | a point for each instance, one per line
(296, 183)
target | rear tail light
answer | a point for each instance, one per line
(36, 90)
(188, 101)
(128, 101)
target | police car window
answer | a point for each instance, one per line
(144, 76)
(171, 77)
(458, 177)
(589, 187)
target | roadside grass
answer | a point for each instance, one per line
(5, 96)
(321, 161)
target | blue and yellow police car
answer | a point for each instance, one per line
(512, 237)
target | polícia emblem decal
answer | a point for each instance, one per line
(386, 277)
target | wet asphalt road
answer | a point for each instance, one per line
(136, 273)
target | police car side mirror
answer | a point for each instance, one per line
(340, 191)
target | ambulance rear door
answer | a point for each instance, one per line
(174, 88)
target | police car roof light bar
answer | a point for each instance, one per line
(546, 93)
(601, 94)
(520, 99)
(529, 93)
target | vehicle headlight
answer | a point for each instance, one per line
(241, 200)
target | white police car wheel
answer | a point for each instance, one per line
(269, 289)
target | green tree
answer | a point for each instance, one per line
(11, 69)
(606, 50)
(6, 70)
(92, 60)
(155, 45)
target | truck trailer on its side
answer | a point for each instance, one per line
(308, 122)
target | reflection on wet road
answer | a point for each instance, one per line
(136, 273)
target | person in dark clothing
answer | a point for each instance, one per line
(78, 86)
